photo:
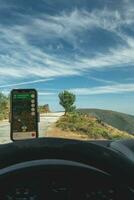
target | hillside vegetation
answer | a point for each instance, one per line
(121, 121)
(90, 126)
(4, 106)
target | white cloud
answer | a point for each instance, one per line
(24, 83)
(23, 60)
(101, 80)
(46, 93)
(69, 24)
(109, 89)
(115, 58)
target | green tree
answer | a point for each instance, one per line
(67, 100)
(4, 106)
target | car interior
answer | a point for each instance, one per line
(56, 168)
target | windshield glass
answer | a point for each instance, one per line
(78, 56)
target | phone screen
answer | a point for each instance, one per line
(24, 119)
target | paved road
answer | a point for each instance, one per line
(46, 122)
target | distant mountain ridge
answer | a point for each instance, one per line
(121, 121)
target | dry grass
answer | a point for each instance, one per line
(79, 126)
(57, 132)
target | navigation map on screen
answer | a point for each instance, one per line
(24, 114)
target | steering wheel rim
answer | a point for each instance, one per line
(98, 156)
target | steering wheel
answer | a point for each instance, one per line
(67, 168)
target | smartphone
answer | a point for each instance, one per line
(23, 114)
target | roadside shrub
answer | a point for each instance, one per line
(91, 127)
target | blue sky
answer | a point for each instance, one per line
(84, 46)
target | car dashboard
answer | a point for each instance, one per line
(60, 175)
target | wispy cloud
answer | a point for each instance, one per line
(46, 93)
(25, 83)
(101, 80)
(109, 89)
(40, 93)
(21, 59)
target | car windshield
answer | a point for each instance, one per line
(79, 57)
